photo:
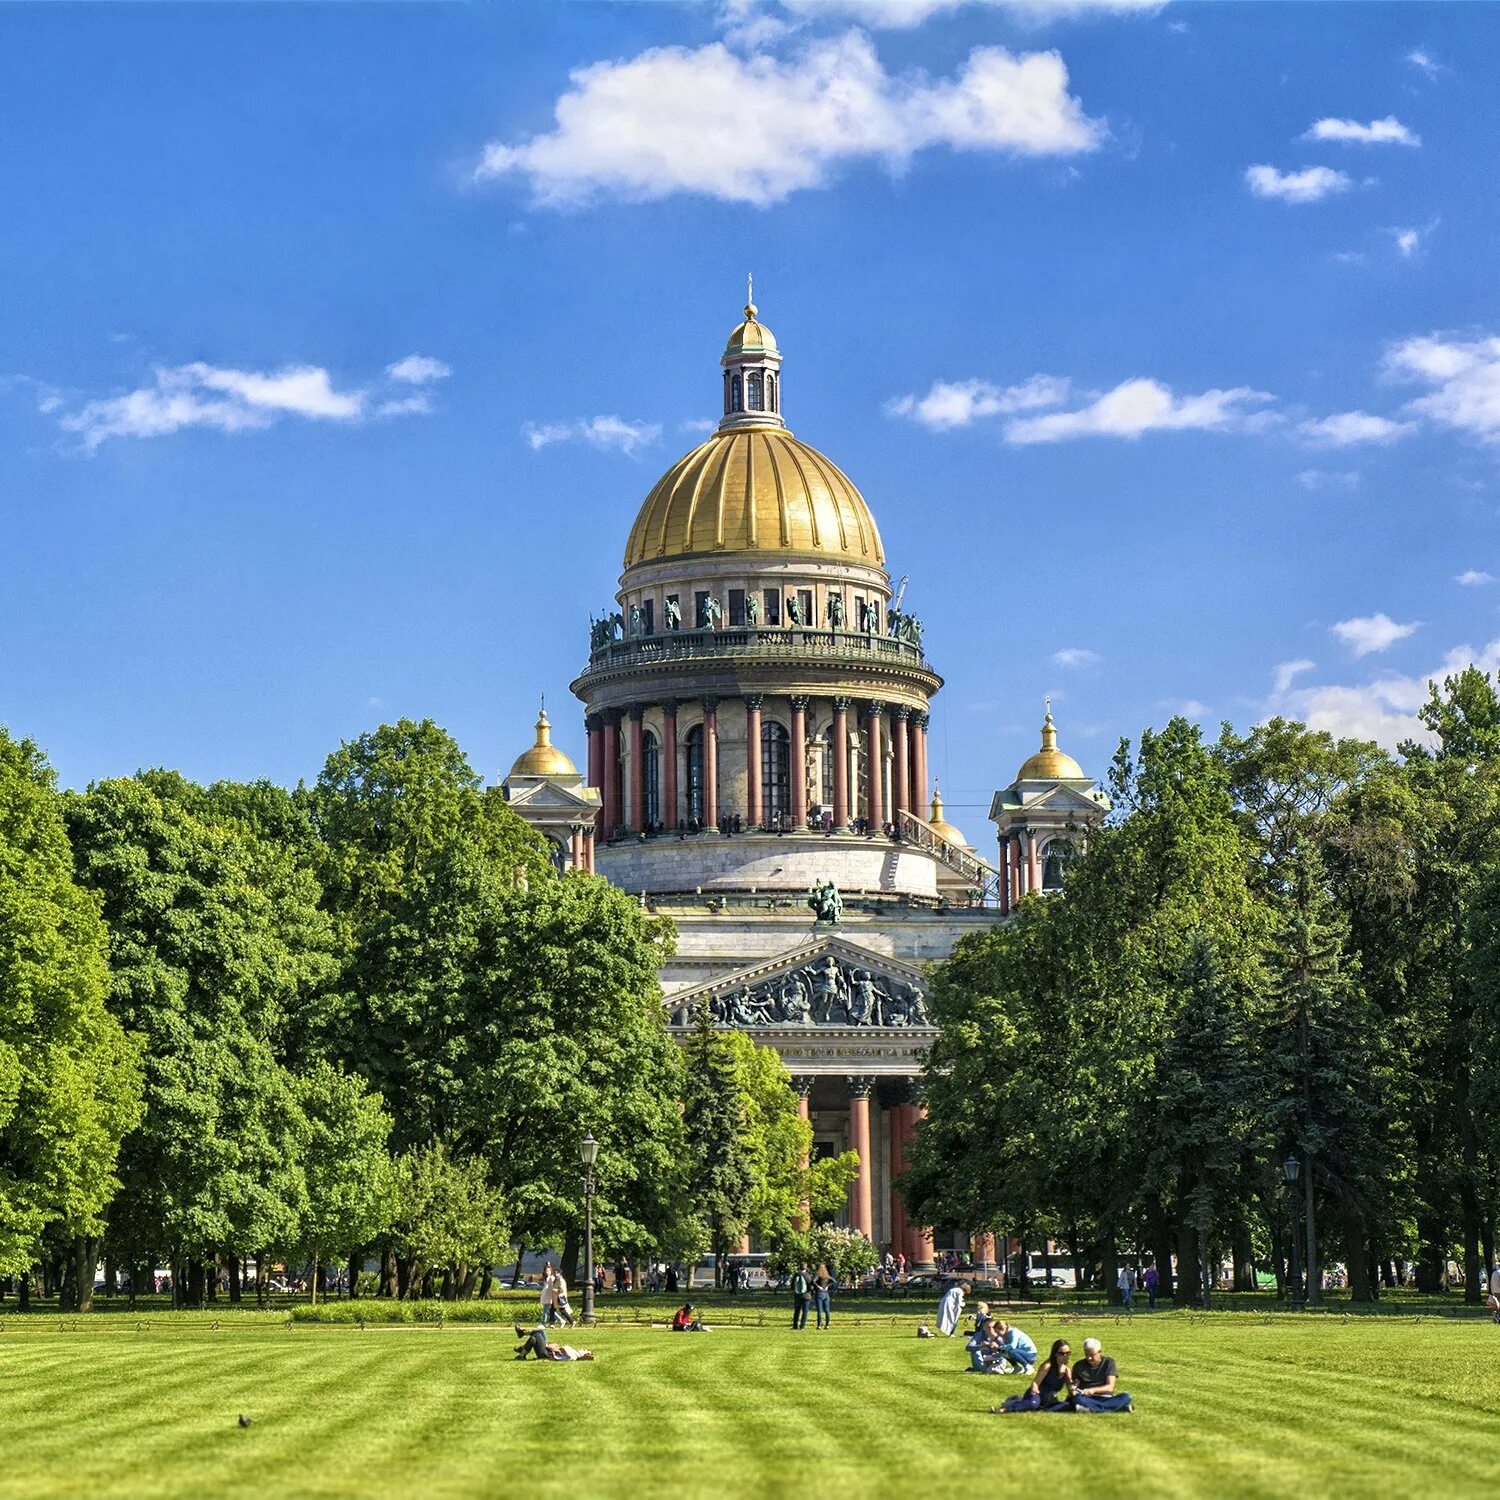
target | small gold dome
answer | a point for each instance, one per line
(1049, 763)
(755, 489)
(940, 825)
(544, 758)
(751, 337)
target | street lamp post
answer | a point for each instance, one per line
(1292, 1170)
(588, 1154)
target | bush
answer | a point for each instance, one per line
(383, 1310)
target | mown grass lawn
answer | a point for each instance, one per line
(1227, 1405)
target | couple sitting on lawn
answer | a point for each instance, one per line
(1087, 1386)
(997, 1348)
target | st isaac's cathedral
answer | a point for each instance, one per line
(757, 709)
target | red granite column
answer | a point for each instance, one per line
(753, 808)
(840, 736)
(575, 849)
(875, 765)
(611, 768)
(1004, 877)
(710, 762)
(799, 763)
(637, 767)
(588, 850)
(1033, 865)
(920, 793)
(921, 1236)
(1017, 875)
(900, 1228)
(595, 727)
(669, 813)
(804, 1112)
(900, 764)
(862, 1205)
(982, 1247)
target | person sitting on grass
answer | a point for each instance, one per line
(1094, 1378)
(984, 1343)
(685, 1320)
(1017, 1351)
(535, 1343)
(1051, 1388)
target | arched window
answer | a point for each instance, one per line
(775, 773)
(755, 391)
(1056, 858)
(726, 392)
(771, 392)
(651, 778)
(561, 855)
(694, 779)
(734, 394)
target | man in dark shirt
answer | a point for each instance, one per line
(1094, 1378)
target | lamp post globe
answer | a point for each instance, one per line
(1292, 1168)
(588, 1154)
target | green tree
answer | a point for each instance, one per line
(347, 1169)
(70, 1082)
(449, 1219)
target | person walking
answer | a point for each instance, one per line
(823, 1296)
(799, 1297)
(1126, 1283)
(560, 1308)
(1151, 1280)
(549, 1296)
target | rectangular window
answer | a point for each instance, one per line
(700, 609)
(648, 616)
(805, 599)
(773, 606)
(736, 606)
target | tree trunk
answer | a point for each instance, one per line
(235, 1292)
(1432, 1255)
(471, 1281)
(1242, 1254)
(356, 1265)
(403, 1276)
(486, 1283)
(1075, 1251)
(1357, 1258)
(520, 1260)
(23, 1291)
(1159, 1232)
(111, 1278)
(390, 1273)
(570, 1257)
(262, 1279)
(1109, 1251)
(84, 1261)
(1189, 1272)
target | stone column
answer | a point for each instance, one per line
(799, 763)
(921, 1236)
(575, 848)
(753, 808)
(875, 762)
(841, 764)
(595, 726)
(1033, 865)
(920, 786)
(862, 1206)
(1004, 857)
(611, 768)
(901, 765)
(668, 762)
(982, 1248)
(588, 850)
(637, 770)
(900, 1226)
(803, 1085)
(1017, 875)
(710, 762)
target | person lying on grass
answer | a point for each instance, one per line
(1051, 1388)
(1094, 1378)
(685, 1320)
(536, 1343)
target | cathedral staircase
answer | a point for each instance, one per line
(983, 877)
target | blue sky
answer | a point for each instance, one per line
(338, 347)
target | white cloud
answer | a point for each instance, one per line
(697, 424)
(1076, 656)
(756, 128)
(1187, 708)
(1345, 428)
(1287, 672)
(416, 405)
(1139, 406)
(1407, 241)
(1465, 381)
(1473, 577)
(1387, 132)
(1384, 710)
(1424, 62)
(225, 400)
(1329, 479)
(957, 403)
(1306, 186)
(418, 369)
(1368, 633)
(611, 433)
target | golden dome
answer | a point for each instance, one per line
(751, 337)
(940, 825)
(755, 489)
(544, 758)
(1049, 763)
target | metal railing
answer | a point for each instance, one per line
(773, 643)
(985, 878)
